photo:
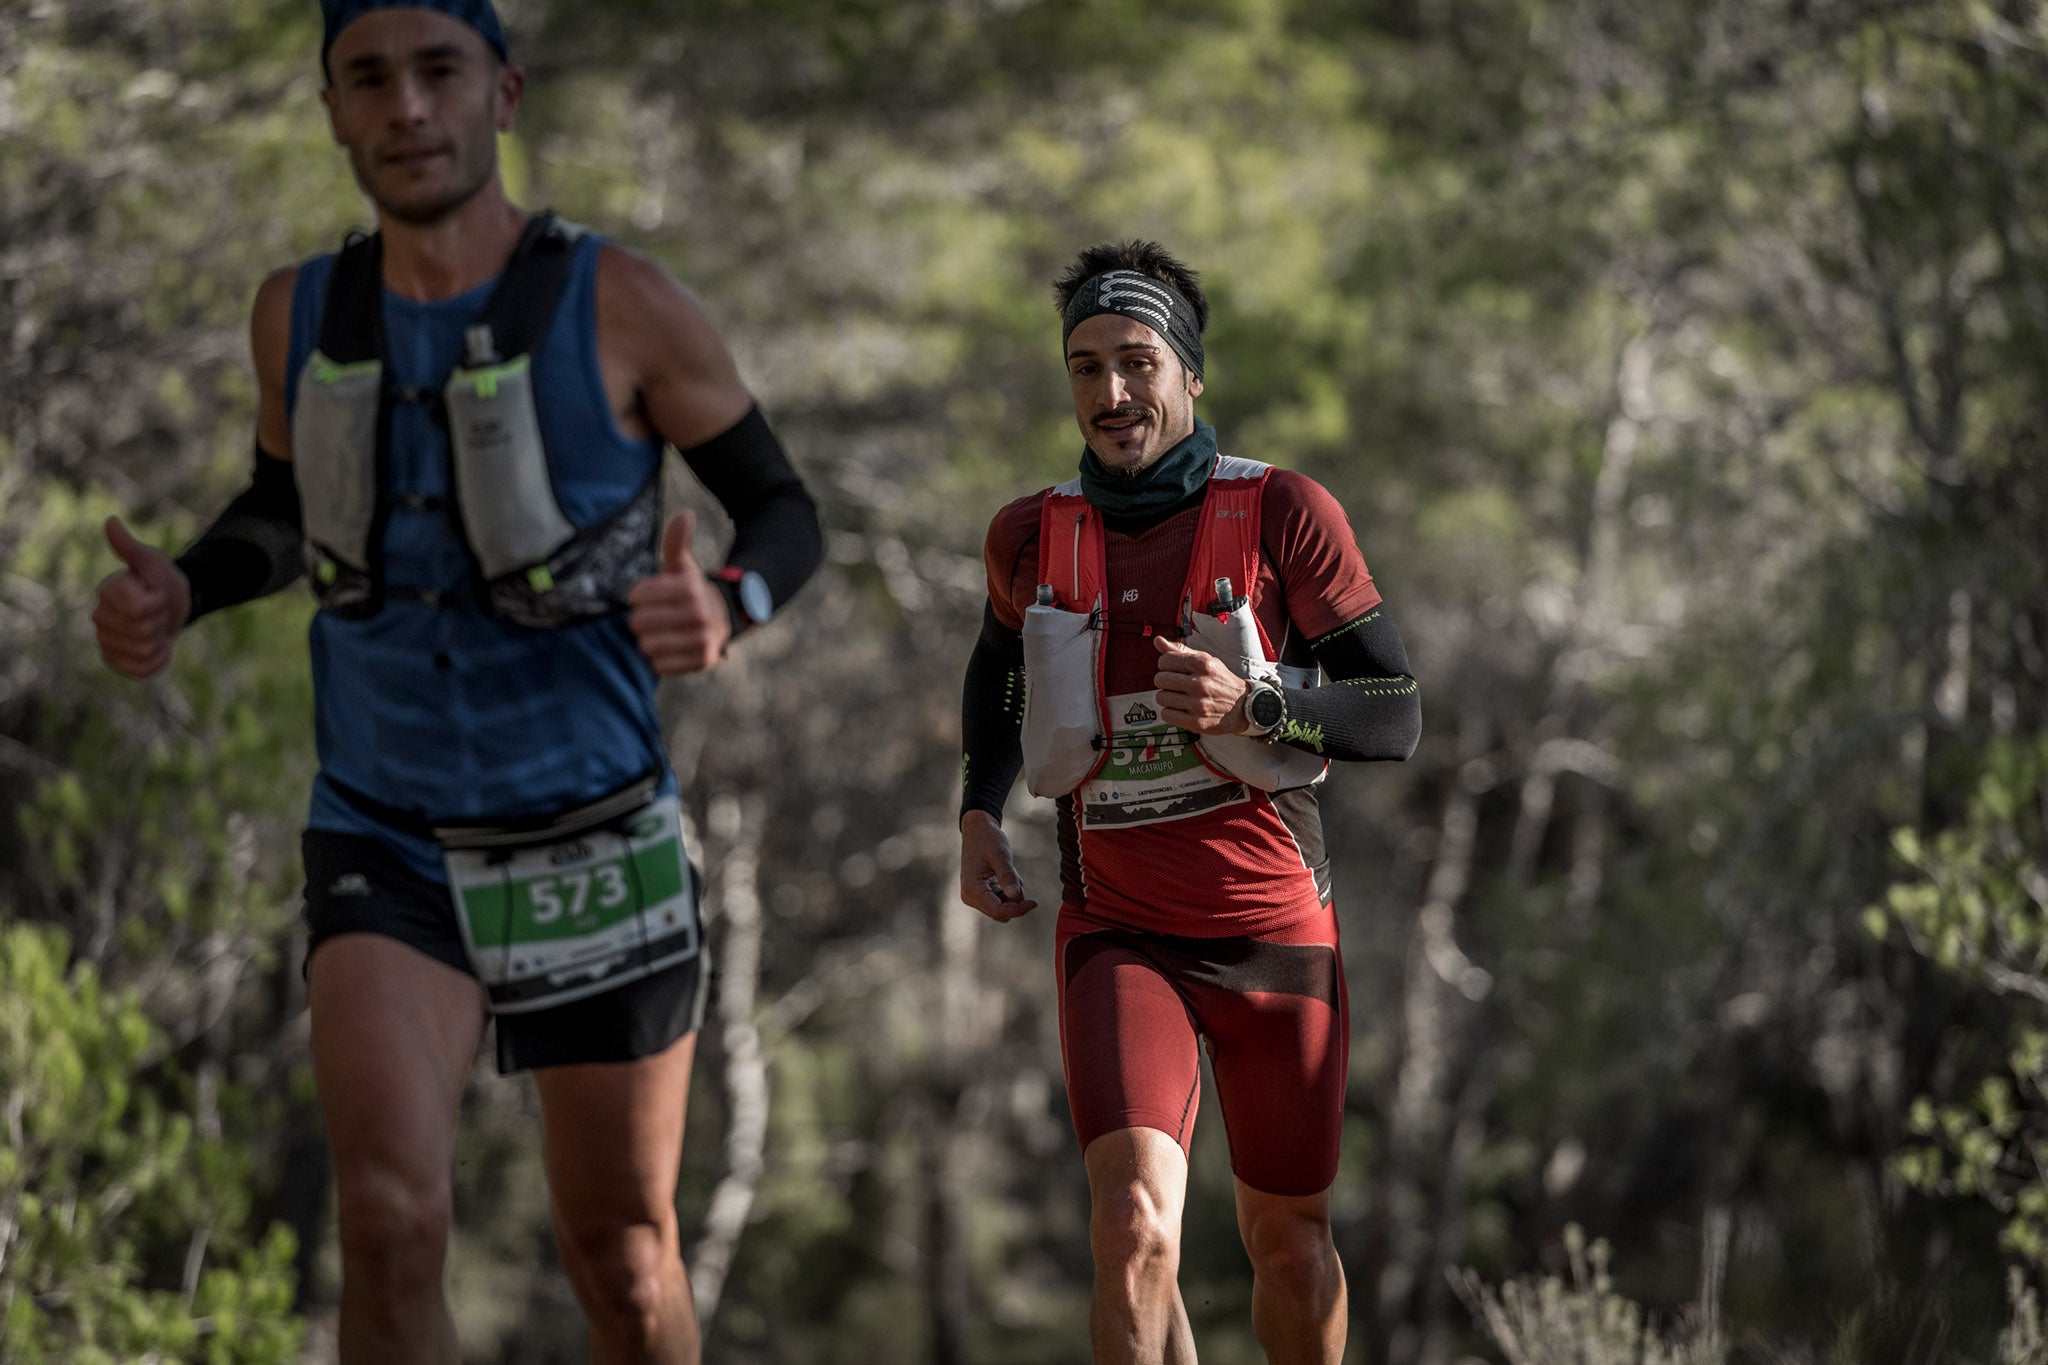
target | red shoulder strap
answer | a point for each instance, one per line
(1227, 541)
(1070, 551)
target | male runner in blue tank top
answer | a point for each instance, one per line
(487, 723)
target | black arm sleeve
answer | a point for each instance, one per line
(1369, 707)
(775, 523)
(991, 717)
(254, 548)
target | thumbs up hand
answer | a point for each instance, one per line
(677, 615)
(141, 608)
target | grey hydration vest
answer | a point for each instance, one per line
(533, 565)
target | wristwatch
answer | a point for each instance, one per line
(1265, 709)
(747, 597)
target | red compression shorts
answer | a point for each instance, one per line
(1271, 1009)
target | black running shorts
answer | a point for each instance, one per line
(355, 885)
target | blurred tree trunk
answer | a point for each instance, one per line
(736, 824)
(1439, 986)
(1439, 1334)
(960, 1040)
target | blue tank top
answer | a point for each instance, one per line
(443, 710)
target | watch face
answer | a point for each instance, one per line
(755, 599)
(1265, 707)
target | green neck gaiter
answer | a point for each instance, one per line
(1168, 481)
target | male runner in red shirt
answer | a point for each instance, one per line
(1177, 607)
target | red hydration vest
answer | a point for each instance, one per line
(1071, 562)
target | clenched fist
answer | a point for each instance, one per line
(141, 609)
(677, 615)
(1197, 691)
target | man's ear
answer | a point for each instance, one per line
(1194, 385)
(327, 99)
(511, 86)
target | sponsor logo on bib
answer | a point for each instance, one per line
(1152, 773)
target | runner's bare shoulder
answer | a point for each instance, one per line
(655, 326)
(270, 344)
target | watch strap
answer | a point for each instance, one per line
(727, 581)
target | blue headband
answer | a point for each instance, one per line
(478, 14)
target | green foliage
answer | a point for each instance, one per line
(1680, 366)
(1977, 904)
(147, 827)
(107, 1190)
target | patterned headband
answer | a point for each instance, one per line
(1142, 299)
